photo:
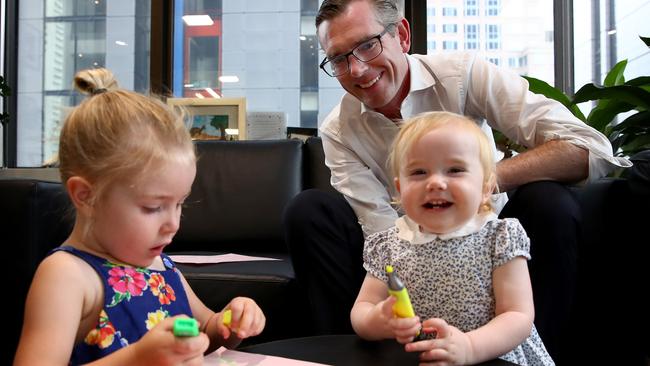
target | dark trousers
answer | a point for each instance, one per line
(326, 243)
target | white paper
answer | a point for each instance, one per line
(221, 258)
(266, 125)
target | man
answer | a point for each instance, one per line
(366, 44)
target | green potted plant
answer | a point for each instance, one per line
(614, 97)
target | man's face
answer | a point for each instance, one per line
(375, 83)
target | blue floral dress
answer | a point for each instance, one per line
(135, 300)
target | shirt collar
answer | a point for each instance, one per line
(420, 77)
(410, 231)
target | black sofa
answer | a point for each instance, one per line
(235, 206)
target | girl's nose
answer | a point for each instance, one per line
(173, 222)
(436, 182)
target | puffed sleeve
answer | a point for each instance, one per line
(510, 241)
(376, 253)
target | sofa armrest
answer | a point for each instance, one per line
(35, 217)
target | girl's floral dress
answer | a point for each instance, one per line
(135, 300)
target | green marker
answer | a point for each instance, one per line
(186, 327)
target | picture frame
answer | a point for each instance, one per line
(214, 118)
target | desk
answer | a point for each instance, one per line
(344, 350)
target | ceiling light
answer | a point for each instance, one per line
(229, 79)
(197, 20)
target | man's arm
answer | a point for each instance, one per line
(539, 123)
(568, 163)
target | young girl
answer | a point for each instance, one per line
(109, 294)
(464, 268)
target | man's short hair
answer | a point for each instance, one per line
(386, 11)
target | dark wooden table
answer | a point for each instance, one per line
(344, 350)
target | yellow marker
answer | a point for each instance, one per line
(402, 307)
(227, 318)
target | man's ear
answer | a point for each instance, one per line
(404, 33)
(81, 194)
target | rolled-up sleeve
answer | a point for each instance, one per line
(502, 98)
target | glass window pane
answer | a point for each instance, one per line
(265, 51)
(57, 38)
(606, 32)
(72, 46)
(64, 8)
(516, 32)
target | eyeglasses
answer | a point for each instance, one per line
(364, 52)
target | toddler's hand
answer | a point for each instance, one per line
(450, 347)
(159, 346)
(402, 329)
(247, 319)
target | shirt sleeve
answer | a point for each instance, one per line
(503, 99)
(368, 197)
(376, 254)
(511, 241)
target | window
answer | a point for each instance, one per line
(431, 11)
(449, 12)
(494, 60)
(471, 36)
(606, 34)
(523, 61)
(493, 8)
(431, 28)
(471, 8)
(449, 45)
(493, 37)
(266, 52)
(76, 35)
(449, 28)
(548, 36)
(519, 34)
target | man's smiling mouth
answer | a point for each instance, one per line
(370, 83)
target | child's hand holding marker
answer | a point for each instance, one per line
(186, 327)
(402, 307)
(243, 318)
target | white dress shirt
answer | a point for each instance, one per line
(357, 140)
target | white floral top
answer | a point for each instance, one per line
(450, 276)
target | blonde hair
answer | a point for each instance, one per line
(118, 135)
(418, 126)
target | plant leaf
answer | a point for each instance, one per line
(603, 114)
(645, 40)
(538, 86)
(615, 75)
(629, 94)
(635, 144)
(640, 81)
(641, 119)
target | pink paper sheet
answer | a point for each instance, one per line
(226, 357)
(211, 259)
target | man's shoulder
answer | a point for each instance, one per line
(349, 109)
(448, 62)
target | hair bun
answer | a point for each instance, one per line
(94, 81)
